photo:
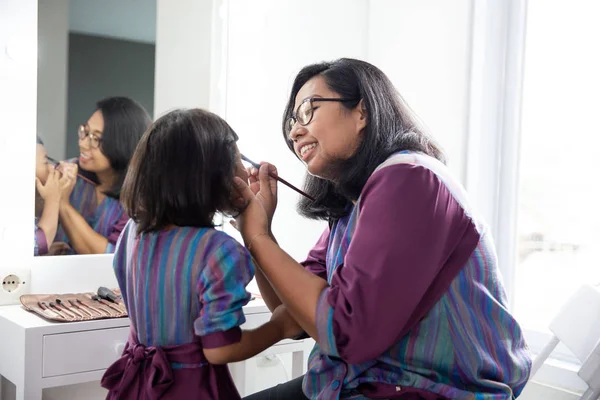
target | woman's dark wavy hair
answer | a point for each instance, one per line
(125, 121)
(182, 172)
(391, 127)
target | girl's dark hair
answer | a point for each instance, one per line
(391, 127)
(125, 121)
(182, 172)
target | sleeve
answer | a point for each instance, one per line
(315, 261)
(115, 233)
(222, 292)
(40, 244)
(410, 241)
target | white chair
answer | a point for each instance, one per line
(577, 326)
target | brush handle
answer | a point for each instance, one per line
(286, 183)
(57, 163)
(80, 308)
(277, 178)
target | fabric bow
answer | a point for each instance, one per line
(139, 363)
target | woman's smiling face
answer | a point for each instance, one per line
(334, 132)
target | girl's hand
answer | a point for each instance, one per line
(50, 191)
(264, 187)
(288, 325)
(59, 249)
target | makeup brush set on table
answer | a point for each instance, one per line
(73, 307)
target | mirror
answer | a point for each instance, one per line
(95, 99)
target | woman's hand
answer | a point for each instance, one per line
(254, 220)
(264, 187)
(68, 180)
(50, 191)
(288, 325)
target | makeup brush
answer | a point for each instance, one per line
(90, 307)
(286, 183)
(75, 305)
(47, 310)
(66, 305)
(107, 294)
(57, 163)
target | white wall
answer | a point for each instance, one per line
(424, 47)
(53, 45)
(183, 49)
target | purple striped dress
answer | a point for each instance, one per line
(184, 289)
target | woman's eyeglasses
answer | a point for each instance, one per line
(84, 132)
(304, 112)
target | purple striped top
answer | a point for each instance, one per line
(415, 307)
(182, 283)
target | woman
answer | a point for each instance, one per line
(402, 292)
(91, 216)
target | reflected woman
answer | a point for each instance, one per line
(91, 216)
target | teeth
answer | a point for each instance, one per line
(306, 148)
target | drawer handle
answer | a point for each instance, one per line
(119, 347)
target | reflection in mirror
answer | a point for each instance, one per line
(95, 92)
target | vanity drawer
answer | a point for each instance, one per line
(85, 351)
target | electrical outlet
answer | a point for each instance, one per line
(10, 283)
(14, 284)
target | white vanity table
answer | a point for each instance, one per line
(38, 354)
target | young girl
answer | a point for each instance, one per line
(48, 182)
(183, 281)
